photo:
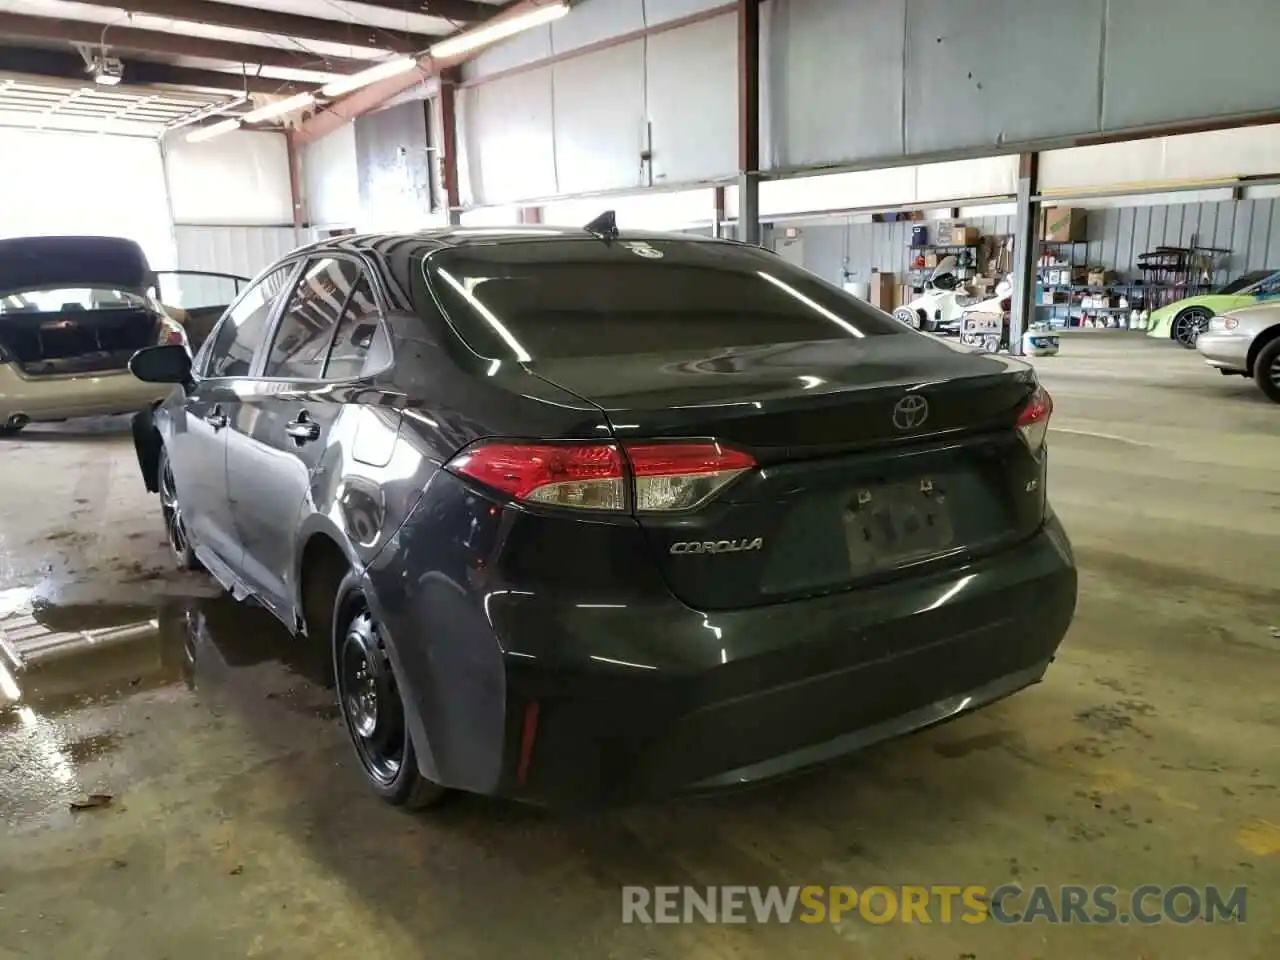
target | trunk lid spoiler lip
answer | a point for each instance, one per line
(29, 263)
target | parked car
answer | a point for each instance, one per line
(1184, 320)
(73, 310)
(940, 307)
(588, 516)
(1246, 342)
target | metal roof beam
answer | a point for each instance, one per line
(172, 44)
(275, 22)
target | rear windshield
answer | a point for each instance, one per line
(581, 298)
(62, 299)
(1246, 281)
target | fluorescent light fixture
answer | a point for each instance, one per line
(279, 108)
(383, 71)
(500, 29)
(213, 130)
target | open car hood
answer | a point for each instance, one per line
(28, 263)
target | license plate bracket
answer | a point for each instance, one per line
(893, 524)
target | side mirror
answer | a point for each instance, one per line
(167, 363)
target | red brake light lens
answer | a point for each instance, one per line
(1033, 421)
(665, 476)
(590, 476)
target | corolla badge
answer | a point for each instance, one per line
(718, 546)
(910, 412)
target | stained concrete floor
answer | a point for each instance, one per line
(238, 827)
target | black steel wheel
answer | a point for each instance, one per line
(374, 713)
(1189, 324)
(175, 526)
(1266, 370)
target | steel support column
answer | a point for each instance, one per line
(1026, 244)
(717, 213)
(749, 121)
(297, 195)
(449, 151)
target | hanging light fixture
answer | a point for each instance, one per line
(500, 29)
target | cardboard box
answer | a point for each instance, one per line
(953, 233)
(1100, 278)
(883, 291)
(1063, 224)
(930, 260)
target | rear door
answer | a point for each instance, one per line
(198, 446)
(280, 435)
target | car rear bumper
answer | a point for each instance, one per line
(599, 702)
(80, 395)
(1226, 351)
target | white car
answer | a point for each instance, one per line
(1246, 341)
(73, 310)
(940, 307)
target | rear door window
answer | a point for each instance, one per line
(569, 298)
(310, 317)
(360, 346)
(245, 325)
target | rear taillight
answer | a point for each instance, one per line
(590, 476)
(595, 476)
(680, 476)
(1033, 421)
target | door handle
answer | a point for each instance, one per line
(303, 430)
(216, 418)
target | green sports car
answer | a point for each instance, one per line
(1185, 320)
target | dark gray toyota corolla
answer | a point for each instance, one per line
(589, 516)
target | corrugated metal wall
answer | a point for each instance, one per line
(239, 250)
(394, 167)
(852, 81)
(863, 248)
(581, 124)
(1250, 229)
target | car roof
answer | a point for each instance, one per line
(460, 237)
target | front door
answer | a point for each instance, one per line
(278, 458)
(198, 446)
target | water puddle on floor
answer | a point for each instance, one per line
(83, 685)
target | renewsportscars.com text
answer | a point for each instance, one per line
(1007, 904)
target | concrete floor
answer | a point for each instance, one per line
(239, 828)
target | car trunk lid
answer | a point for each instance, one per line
(876, 458)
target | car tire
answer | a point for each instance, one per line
(1266, 370)
(1188, 325)
(908, 317)
(175, 528)
(373, 709)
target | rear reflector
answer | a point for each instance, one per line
(594, 476)
(1033, 422)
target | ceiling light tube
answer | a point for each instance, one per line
(279, 108)
(213, 130)
(383, 71)
(499, 29)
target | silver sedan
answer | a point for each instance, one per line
(1246, 341)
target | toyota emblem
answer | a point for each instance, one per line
(910, 412)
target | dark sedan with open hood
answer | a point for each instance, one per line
(586, 515)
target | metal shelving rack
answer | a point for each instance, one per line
(918, 276)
